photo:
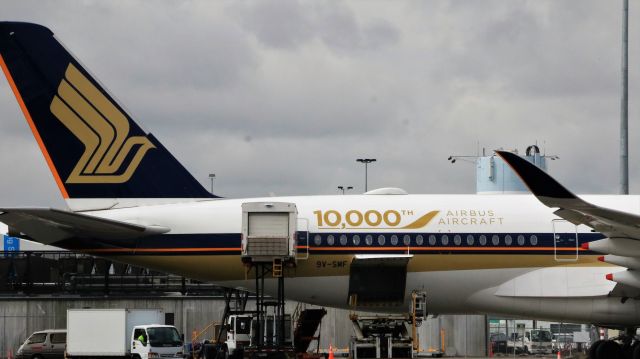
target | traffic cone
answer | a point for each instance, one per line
(330, 352)
(559, 354)
(9, 354)
(490, 350)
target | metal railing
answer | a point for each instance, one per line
(49, 272)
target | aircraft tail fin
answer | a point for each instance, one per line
(92, 145)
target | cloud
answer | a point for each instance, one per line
(291, 24)
(283, 96)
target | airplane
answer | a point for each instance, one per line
(551, 255)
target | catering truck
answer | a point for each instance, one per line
(121, 333)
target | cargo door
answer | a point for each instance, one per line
(378, 281)
(268, 233)
(565, 240)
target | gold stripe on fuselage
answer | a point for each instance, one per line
(230, 267)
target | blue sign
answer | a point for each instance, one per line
(11, 244)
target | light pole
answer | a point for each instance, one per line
(342, 188)
(366, 162)
(212, 176)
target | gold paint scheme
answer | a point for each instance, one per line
(101, 127)
(229, 267)
(422, 221)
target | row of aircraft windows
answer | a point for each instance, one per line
(432, 240)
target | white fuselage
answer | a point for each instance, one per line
(502, 254)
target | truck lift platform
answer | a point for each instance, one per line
(269, 246)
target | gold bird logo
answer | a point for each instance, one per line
(101, 127)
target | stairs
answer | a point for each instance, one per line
(306, 326)
(276, 269)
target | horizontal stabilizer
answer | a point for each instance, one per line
(47, 225)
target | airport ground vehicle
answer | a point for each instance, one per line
(44, 344)
(518, 343)
(541, 342)
(498, 343)
(120, 333)
(389, 336)
(381, 337)
(239, 338)
(536, 341)
(238, 330)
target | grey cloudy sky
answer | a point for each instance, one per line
(282, 96)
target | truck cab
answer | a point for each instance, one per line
(155, 341)
(534, 341)
(541, 342)
(238, 333)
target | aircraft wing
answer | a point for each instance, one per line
(621, 228)
(47, 225)
(610, 222)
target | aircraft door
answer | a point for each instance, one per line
(565, 240)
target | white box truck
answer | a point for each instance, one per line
(121, 333)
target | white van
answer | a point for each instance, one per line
(45, 344)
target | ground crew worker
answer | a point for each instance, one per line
(141, 339)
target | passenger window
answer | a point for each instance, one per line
(520, 240)
(406, 240)
(343, 240)
(457, 240)
(470, 239)
(432, 240)
(232, 325)
(243, 325)
(534, 240)
(381, 240)
(444, 239)
(317, 239)
(356, 239)
(482, 240)
(495, 240)
(368, 239)
(330, 239)
(508, 240)
(394, 240)
(57, 338)
(140, 332)
(37, 338)
(419, 239)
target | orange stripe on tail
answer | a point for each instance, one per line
(33, 128)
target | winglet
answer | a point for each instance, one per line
(544, 187)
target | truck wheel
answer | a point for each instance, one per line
(593, 348)
(635, 351)
(609, 350)
(224, 352)
(209, 351)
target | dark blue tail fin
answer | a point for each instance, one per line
(93, 147)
